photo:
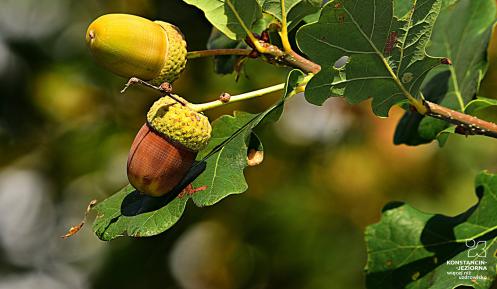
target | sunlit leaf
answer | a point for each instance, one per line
(461, 33)
(296, 10)
(387, 57)
(224, 173)
(222, 17)
(128, 213)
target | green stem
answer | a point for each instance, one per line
(287, 47)
(460, 101)
(252, 94)
(217, 52)
(251, 36)
(236, 98)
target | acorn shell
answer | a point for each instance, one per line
(156, 164)
(132, 46)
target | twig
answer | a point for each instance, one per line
(236, 98)
(273, 54)
(217, 52)
(165, 88)
(468, 124)
(293, 59)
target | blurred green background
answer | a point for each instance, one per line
(65, 131)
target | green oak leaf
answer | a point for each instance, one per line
(484, 108)
(408, 128)
(296, 10)
(127, 213)
(224, 64)
(470, 24)
(411, 249)
(222, 17)
(481, 107)
(401, 8)
(224, 173)
(110, 223)
(387, 55)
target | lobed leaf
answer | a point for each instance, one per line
(412, 249)
(222, 17)
(461, 33)
(484, 108)
(224, 64)
(409, 130)
(296, 10)
(387, 57)
(110, 222)
(224, 173)
(128, 213)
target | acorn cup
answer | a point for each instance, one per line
(132, 46)
(166, 146)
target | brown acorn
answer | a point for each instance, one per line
(166, 146)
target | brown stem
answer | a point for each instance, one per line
(466, 124)
(296, 60)
(274, 54)
(217, 52)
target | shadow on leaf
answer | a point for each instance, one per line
(438, 236)
(136, 203)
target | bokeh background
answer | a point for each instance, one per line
(65, 131)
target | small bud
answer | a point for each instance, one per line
(166, 87)
(225, 97)
(446, 61)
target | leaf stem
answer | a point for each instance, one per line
(467, 124)
(237, 98)
(418, 104)
(217, 52)
(460, 101)
(250, 35)
(287, 47)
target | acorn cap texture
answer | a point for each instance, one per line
(175, 56)
(180, 123)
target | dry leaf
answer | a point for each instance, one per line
(255, 157)
(73, 230)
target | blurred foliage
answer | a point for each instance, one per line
(64, 135)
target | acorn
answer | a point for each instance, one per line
(166, 146)
(132, 46)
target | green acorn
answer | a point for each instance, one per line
(132, 46)
(166, 146)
